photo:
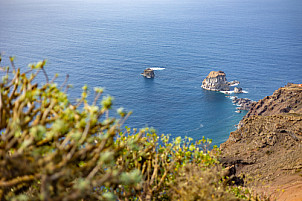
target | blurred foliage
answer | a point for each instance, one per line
(51, 149)
(193, 184)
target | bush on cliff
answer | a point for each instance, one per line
(51, 149)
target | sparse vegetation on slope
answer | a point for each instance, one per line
(266, 147)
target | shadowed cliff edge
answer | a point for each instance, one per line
(266, 149)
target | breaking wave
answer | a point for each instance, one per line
(157, 68)
(236, 84)
(231, 92)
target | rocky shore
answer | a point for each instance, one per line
(266, 149)
(287, 99)
(243, 103)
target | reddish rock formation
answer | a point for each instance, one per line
(267, 146)
(284, 100)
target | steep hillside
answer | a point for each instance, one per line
(287, 99)
(267, 146)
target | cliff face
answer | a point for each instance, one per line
(267, 146)
(216, 81)
(284, 100)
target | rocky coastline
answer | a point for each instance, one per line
(265, 152)
(242, 103)
(216, 81)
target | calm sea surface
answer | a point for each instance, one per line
(109, 43)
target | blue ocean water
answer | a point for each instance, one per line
(110, 42)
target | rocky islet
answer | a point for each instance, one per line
(216, 81)
(148, 73)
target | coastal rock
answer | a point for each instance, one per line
(216, 81)
(243, 103)
(237, 90)
(287, 99)
(267, 143)
(234, 83)
(148, 73)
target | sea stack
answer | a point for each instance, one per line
(148, 73)
(216, 81)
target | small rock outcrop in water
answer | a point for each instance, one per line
(216, 81)
(148, 73)
(243, 103)
(234, 83)
(238, 90)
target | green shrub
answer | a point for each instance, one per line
(192, 184)
(51, 149)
